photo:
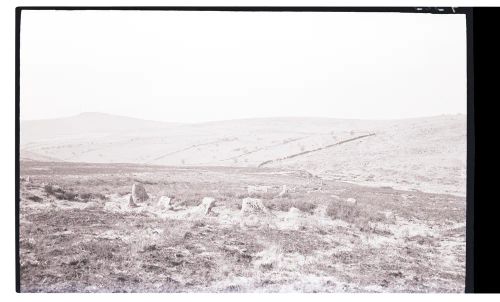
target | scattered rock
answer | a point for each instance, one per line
(389, 215)
(206, 205)
(351, 200)
(295, 211)
(253, 205)
(131, 202)
(164, 203)
(257, 189)
(139, 193)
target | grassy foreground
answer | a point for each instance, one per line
(78, 235)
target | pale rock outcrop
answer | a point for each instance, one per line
(206, 205)
(294, 211)
(164, 203)
(351, 201)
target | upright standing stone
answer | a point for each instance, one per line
(139, 193)
(131, 202)
(206, 205)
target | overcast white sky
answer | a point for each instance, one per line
(201, 66)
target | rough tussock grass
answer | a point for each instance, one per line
(95, 250)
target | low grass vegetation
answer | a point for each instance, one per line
(388, 241)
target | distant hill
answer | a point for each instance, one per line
(31, 156)
(424, 153)
(83, 124)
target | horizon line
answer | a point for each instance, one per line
(235, 119)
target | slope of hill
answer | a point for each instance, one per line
(31, 156)
(428, 154)
(87, 123)
(425, 154)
